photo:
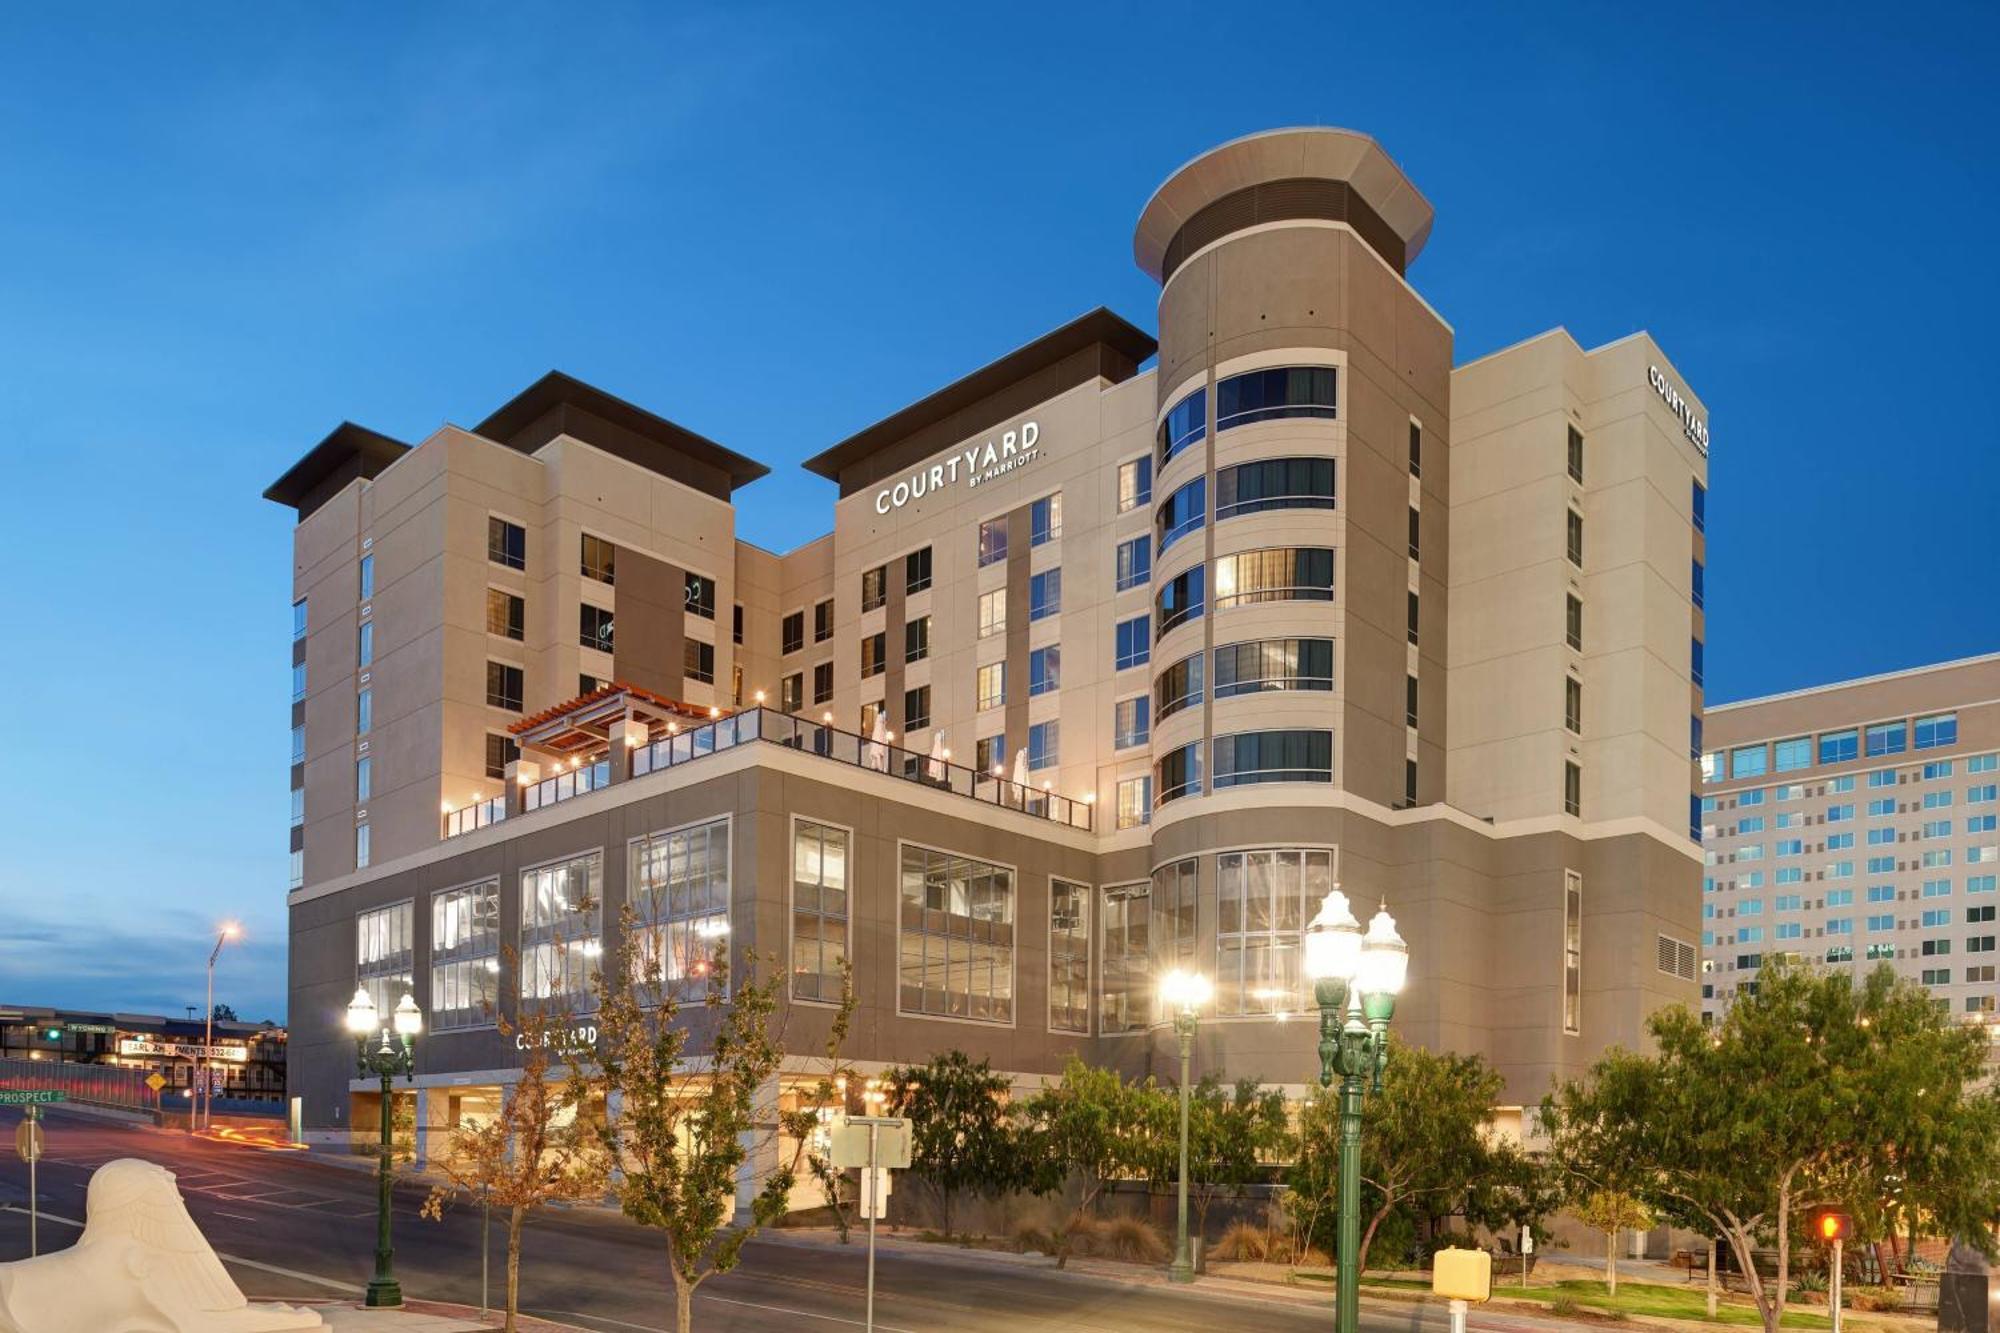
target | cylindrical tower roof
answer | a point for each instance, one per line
(1279, 175)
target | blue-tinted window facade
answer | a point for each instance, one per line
(1182, 599)
(1134, 644)
(1044, 745)
(1267, 395)
(1939, 730)
(1887, 738)
(1273, 664)
(1044, 594)
(1273, 756)
(1185, 424)
(1184, 511)
(1839, 747)
(1177, 774)
(1274, 483)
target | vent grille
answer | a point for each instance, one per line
(1677, 958)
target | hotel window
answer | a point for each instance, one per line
(1044, 670)
(364, 650)
(1135, 483)
(385, 955)
(1126, 999)
(365, 577)
(1260, 910)
(1415, 619)
(1134, 643)
(876, 708)
(299, 799)
(1174, 917)
(298, 620)
(1275, 574)
(1179, 686)
(506, 543)
(989, 753)
(298, 681)
(792, 633)
(593, 627)
(992, 685)
(1575, 454)
(698, 661)
(1273, 756)
(1573, 621)
(1184, 424)
(506, 615)
(917, 570)
(1135, 562)
(698, 596)
(1791, 754)
(465, 956)
(1183, 512)
(503, 686)
(1268, 664)
(364, 719)
(993, 612)
(680, 902)
(874, 654)
(1698, 578)
(1982, 794)
(1700, 507)
(874, 587)
(587, 684)
(1572, 992)
(1572, 789)
(1886, 738)
(1130, 722)
(1409, 783)
(1573, 704)
(1180, 599)
(1045, 520)
(1416, 450)
(736, 628)
(298, 870)
(1135, 801)
(1937, 769)
(1929, 948)
(1980, 914)
(956, 937)
(1267, 395)
(1573, 544)
(1935, 731)
(1069, 957)
(1838, 747)
(917, 639)
(1696, 652)
(1409, 701)
(362, 842)
(1178, 773)
(1416, 535)
(1273, 483)
(1982, 763)
(1044, 594)
(822, 682)
(1694, 735)
(823, 621)
(820, 859)
(992, 541)
(364, 786)
(1044, 745)
(561, 905)
(600, 559)
(500, 752)
(917, 707)
(791, 692)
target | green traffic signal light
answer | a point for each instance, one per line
(52, 1034)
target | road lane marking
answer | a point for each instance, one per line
(236, 1259)
(238, 1216)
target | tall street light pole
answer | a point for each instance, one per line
(228, 932)
(1355, 980)
(385, 1062)
(1184, 993)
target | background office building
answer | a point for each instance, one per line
(1121, 652)
(1854, 825)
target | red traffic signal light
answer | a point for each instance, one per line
(1831, 1225)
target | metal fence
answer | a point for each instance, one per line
(98, 1085)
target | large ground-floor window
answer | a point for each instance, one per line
(679, 897)
(1125, 1000)
(384, 955)
(1069, 957)
(822, 861)
(465, 956)
(956, 937)
(1262, 898)
(561, 922)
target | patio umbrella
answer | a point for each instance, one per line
(878, 748)
(937, 757)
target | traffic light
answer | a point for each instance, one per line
(1830, 1225)
(51, 1034)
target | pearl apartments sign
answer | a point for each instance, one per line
(1694, 427)
(971, 467)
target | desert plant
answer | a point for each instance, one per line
(1243, 1242)
(1133, 1239)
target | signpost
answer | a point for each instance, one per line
(876, 1144)
(1461, 1277)
(1833, 1226)
(29, 1143)
(1527, 1248)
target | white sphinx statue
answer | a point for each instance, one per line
(141, 1266)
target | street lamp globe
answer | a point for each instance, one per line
(1333, 941)
(1185, 992)
(409, 1019)
(1385, 959)
(361, 1015)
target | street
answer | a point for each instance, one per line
(290, 1227)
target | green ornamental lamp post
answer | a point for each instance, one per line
(1183, 994)
(1355, 980)
(392, 1057)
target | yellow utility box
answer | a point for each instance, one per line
(1462, 1275)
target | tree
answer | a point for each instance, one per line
(960, 1135)
(1232, 1133)
(695, 1094)
(1613, 1211)
(1092, 1127)
(224, 1014)
(540, 1149)
(1810, 1091)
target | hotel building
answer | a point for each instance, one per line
(1853, 825)
(1121, 652)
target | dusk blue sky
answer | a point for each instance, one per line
(223, 230)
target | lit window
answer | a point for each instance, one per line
(820, 861)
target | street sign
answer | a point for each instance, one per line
(848, 1142)
(875, 1188)
(32, 1096)
(155, 1082)
(28, 1140)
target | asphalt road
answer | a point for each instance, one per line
(290, 1227)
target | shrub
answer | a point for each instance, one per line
(1080, 1234)
(1564, 1307)
(1244, 1243)
(1133, 1239)
(1032, 1239)
(1876, 1300)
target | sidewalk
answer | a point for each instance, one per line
(424, 1317)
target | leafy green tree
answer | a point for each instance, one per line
(685, 1127)
(1092, 1128)
(1613, 1211)
(960, 1137)
(1810, 1091)
(1232, 1133)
